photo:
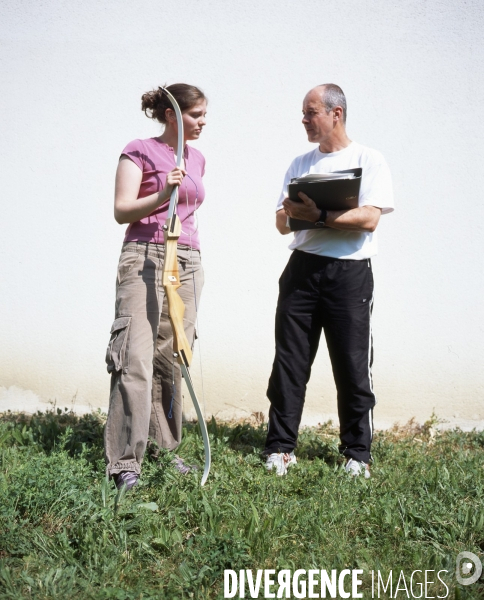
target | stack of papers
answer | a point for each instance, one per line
(311, 177)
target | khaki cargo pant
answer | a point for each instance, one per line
(145, 397)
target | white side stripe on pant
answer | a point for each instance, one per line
(370, 376)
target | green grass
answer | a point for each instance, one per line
(66, 533)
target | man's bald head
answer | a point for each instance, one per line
(331, 96)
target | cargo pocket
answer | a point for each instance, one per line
(117, 358)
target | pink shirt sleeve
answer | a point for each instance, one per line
(136, 152)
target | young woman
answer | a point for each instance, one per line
(145, 395)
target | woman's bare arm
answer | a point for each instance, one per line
(128, 208)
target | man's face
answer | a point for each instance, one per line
(317, 122)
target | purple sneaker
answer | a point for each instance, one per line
(181, 466)
(126, 478)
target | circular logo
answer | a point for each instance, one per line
(468, 568)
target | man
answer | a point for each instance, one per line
(328, 285)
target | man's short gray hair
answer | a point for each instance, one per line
(333, 96)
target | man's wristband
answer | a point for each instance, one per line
(322, 218)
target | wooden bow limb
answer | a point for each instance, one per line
(182, 351)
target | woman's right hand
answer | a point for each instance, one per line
(174, 177)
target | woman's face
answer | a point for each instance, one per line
(194, 120)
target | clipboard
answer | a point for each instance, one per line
(330, 191)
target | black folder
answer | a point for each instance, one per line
(330, 194)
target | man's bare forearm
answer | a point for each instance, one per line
(281, 220)
(363, 218)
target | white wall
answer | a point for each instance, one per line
(72, 75)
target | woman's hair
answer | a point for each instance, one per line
(155, 103)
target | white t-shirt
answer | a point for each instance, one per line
(376, 190)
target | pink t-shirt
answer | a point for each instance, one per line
(156, 159)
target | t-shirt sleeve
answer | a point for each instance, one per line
(135, 151)
(376, 186)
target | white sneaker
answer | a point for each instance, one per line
(355, 468)
(280, 461)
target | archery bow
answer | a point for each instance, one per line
(171, 282)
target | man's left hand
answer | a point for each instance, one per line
(305, 210)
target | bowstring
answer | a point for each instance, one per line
(197, 330)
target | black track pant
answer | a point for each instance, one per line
(316, 293)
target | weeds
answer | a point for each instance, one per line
(66, 532)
